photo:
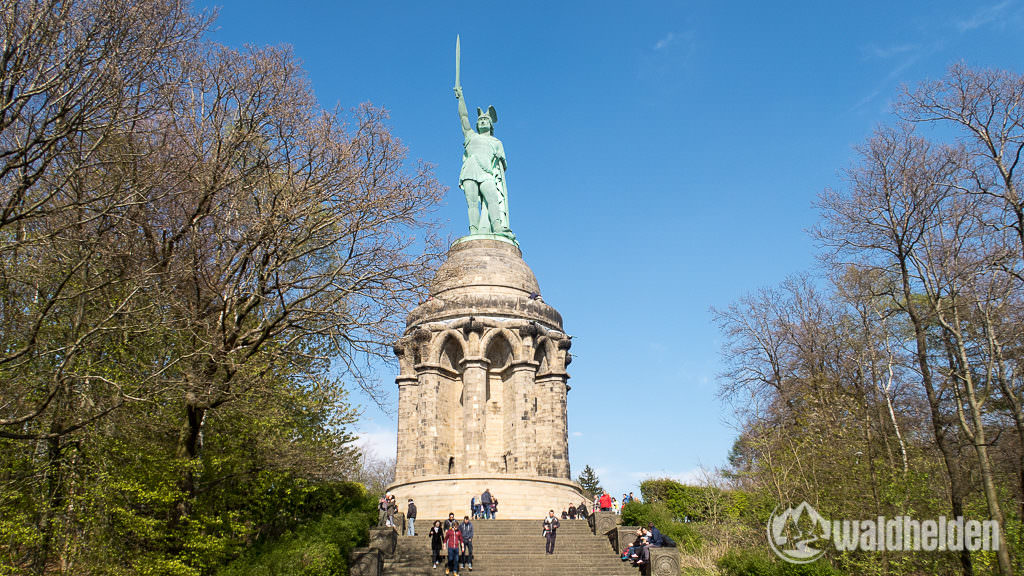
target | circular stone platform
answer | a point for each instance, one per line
(519, 498)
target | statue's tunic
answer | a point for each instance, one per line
(480, 160)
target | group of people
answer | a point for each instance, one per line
(386, 510)
(484, 508)
(457, 539)
(639, 552)
(575, 512)
(606, 503)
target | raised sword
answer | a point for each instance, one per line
(458, 54)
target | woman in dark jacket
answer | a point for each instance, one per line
(436, 534)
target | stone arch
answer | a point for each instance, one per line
(513, 341)
(545, 355)
(448, 350)
(499, 352)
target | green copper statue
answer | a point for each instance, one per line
(482, 177)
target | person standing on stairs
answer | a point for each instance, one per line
(485, 502)
(550, 529)
(411, 517)
(436, 535)
(467, 543)
(453, 541)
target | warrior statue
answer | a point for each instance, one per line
(483, 169)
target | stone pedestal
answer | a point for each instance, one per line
(482, 390)
(604, 522)
(366, 562)
(622, 537)
(384, 538)
(665, 561)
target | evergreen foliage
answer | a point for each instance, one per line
(589, 481)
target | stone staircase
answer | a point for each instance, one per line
(515, 548)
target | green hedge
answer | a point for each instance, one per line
(316, 548)
(761, 563)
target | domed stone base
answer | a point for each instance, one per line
(519, 498)
(482, 390)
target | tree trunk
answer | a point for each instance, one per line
(957, 487)
(190, 444)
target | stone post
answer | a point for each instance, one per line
(560, 446)
(408, 426)
(665, 561)
(603, 522)
(524, 420)
(365, 562)
(427, 459)
(384, 538)
(550, 437)
(474, 380)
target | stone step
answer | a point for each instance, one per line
(515, 548)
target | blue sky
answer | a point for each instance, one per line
(663, 159)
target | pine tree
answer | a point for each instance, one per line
(589, 481)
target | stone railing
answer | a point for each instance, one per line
(664, 560)
(369, 561)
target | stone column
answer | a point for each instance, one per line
(474, 380)
(408, 426)
(560, 446)
(524, 419)
(548, 413)
(427, 459)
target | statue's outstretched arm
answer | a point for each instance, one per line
(463, 112)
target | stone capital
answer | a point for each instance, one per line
(524, 366)
(407, 380)
(550, 377)
(436, 369)
(475, 362)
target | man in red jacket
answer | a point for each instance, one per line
(453, 541)
(606, 502)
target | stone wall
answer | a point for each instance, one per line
(518, 497)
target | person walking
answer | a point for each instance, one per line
(485, 501)
(453, 541)
(410, 515)
(450, 521)
(436, 535)
(550, 530)
(467, 543)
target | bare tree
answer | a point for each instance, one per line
(894, 197)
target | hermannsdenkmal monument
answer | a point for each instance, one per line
(483, 381)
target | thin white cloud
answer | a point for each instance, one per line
(382, 442)
(983, 16)
(665, 41)
(696, 475)
(888, 51)
(577, 434)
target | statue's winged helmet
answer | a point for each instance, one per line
(491, 113)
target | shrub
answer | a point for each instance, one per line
(317, 548)
(760, 563)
